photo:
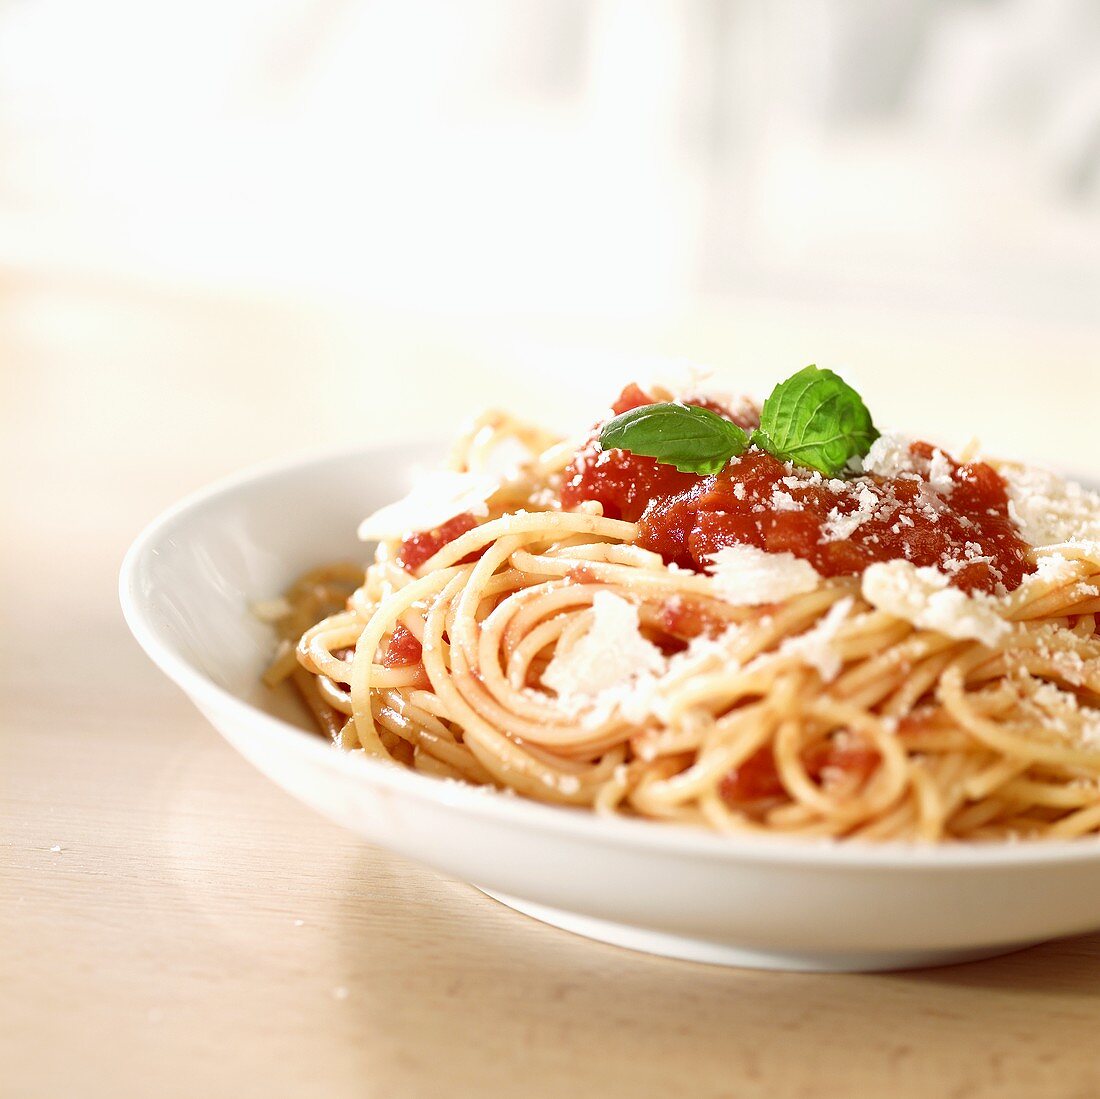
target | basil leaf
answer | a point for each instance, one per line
(693, 439)
(815, 419)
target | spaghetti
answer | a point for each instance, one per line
(565, 640)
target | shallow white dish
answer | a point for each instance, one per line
(186, 586)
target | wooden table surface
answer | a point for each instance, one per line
(174, 925)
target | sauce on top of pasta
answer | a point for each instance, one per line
(936, 512)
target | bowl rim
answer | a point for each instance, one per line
(508, 809)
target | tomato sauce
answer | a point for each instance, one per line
(402, 650)
(625, 483)
(417, 548)
(757, 779)
(951, 516)
(688, 619)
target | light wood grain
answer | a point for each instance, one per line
(200, 934)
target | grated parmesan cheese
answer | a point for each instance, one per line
(1068, 664)
(1049, 509)
(839, 526)
(1062, 711)
(889, 455)
(1053, 570)
(611, 655)
(924, 597)
(1090, 730)
(747, 576)
(436, 496)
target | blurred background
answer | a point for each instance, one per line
(237, 229)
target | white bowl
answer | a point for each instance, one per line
(186, 586)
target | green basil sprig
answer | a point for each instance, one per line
(813, 419)
(693, 439)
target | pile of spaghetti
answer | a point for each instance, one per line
(905, 648)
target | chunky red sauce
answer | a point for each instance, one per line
(688, 619)
(758, 780)
(625, 483)
(417, 548)
(402, 650)
(959, 524)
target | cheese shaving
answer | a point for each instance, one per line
(436, 496)
(610, 655)
(939, 472)
(817, 647)
(924, 597)
(747, 576)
